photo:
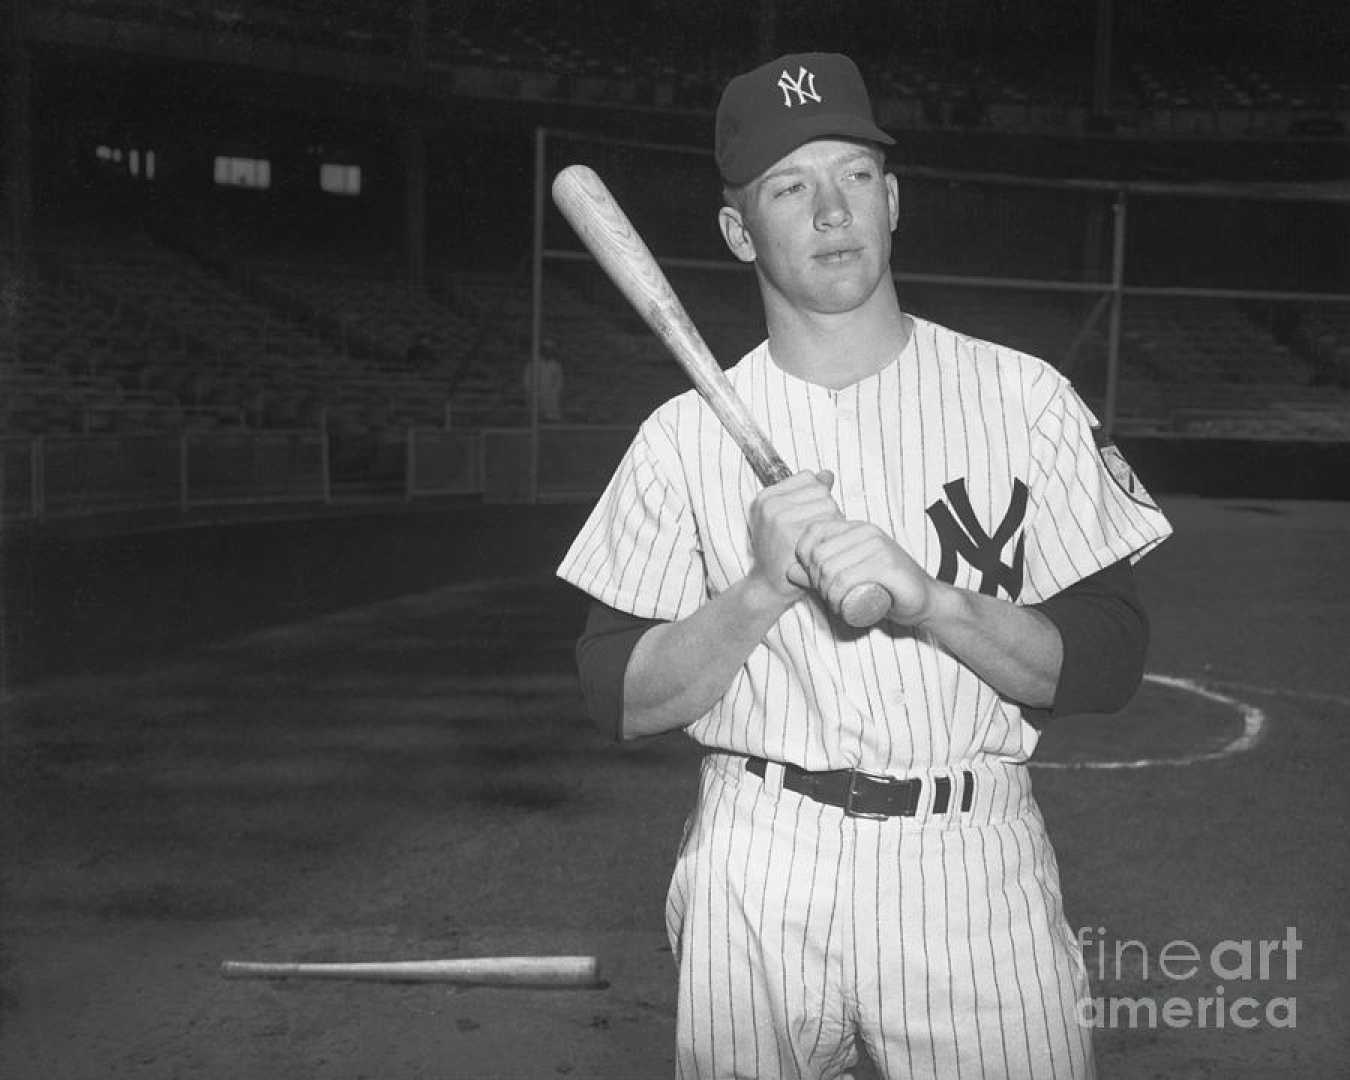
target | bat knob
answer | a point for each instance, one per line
(864, 606)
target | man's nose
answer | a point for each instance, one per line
(831, 208)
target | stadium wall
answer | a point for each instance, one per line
(170, 587)
(1241, 468)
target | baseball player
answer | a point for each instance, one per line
(865, 869)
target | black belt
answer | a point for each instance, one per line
(867, 795)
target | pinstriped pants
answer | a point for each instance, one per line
(938, 942)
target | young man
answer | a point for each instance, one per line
(865, 863)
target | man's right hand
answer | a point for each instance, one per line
(778, 517)
(679, 670)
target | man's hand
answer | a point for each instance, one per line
(779, 517)
(1016, 650)
(678, 670)
(839, 555)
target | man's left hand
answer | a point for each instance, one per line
(839, 555)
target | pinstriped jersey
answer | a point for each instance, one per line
(981, 461)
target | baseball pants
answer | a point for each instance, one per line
(938, 942)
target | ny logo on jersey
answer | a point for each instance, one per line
(804, 86)
(962, 535)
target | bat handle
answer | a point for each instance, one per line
(865, 605)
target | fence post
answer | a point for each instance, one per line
(37, 477)
(324, 462)
(409, 461)
(1117, 301)
(1070, 366)
(536, 310)
(183, 471)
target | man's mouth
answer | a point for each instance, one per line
(839, 255)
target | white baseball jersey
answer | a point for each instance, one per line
(938, 940)
(980, 460)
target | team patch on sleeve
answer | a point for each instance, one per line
(1120, 470)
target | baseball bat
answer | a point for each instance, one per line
(571, 972)
(604, 228)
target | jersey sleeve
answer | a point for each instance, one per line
(639, 549)
(1105, 632)
(1087, 508)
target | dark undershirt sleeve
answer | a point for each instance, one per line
(1105, 632)
(603, 650)
(1100, 619)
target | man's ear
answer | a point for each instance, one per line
(893, 199)
(734, 232)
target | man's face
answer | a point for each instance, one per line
(818, 225)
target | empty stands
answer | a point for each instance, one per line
(112, 332)
(124, 336)
(73, 364)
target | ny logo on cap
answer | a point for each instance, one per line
(804, 86)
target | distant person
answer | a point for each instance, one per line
(544, 379)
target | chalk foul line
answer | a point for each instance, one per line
(1254, 724)
(1319, 696)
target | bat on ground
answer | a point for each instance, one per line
(598, 219)
(558, 972)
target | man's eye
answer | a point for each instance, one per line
(787, 189)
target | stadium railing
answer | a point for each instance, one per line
(58, 476)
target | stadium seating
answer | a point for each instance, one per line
(126, 336)
(419, 355)
(73, 365)
(1322, 335)
(1189, 368)
(1200, 367)
(233, 351)
(115, 333)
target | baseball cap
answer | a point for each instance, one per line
(767, 113)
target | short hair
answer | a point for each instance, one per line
(733, 195)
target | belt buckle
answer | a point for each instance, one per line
(849, 807)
